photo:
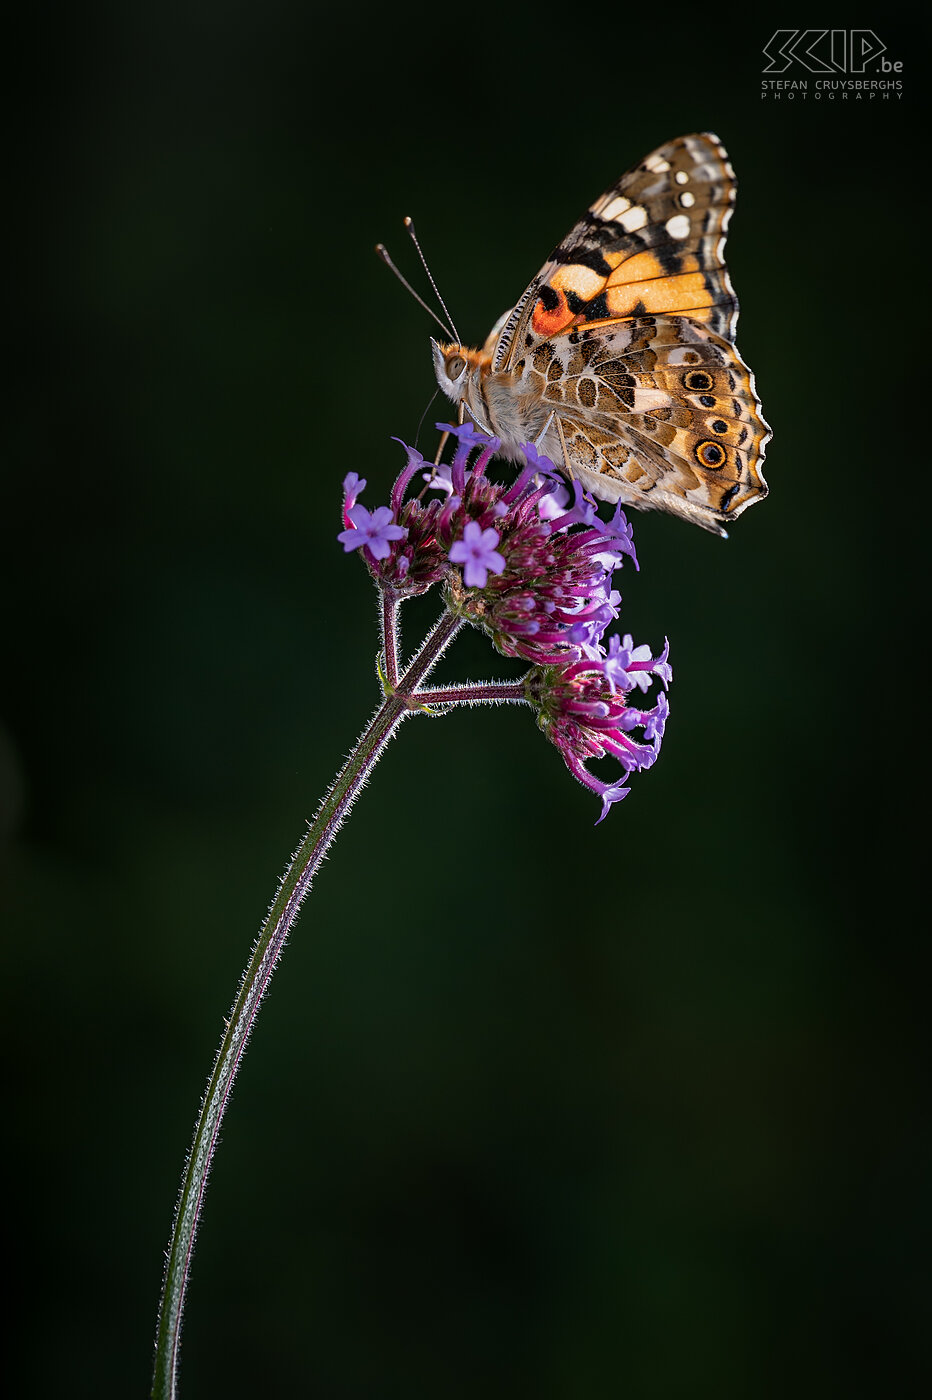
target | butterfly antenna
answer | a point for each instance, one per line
(409, 225)
(383, 253)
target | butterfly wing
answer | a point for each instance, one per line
(663, 414)
(657, 411)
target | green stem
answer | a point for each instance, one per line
(273, 935)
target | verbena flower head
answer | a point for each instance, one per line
(532, 565)
(583, 710)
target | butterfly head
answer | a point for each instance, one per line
(454, 366)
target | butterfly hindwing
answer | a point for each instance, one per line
(658, 407)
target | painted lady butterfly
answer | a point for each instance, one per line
(620, 356)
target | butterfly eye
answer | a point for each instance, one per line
(455, 366)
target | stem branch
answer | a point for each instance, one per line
(511, 691)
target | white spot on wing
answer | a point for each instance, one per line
(647, 399)
(617, 206)
(658, 165)
(634, 219)
(678, 226)
(681, 177)
(687, 199)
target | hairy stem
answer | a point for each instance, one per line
(481, 693)
(273, 935)
(388, 623)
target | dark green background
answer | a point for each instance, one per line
(533, 1108)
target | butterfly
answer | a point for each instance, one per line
(619, 360)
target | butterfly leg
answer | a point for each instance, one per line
(538, 441)
(439, 452)
(566, 456)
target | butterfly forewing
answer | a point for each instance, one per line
(653, 243)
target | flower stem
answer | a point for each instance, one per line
(491, 692)
(273, 935)
(388, 623)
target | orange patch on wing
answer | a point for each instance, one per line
(644, 266)
(636, 269)
(666, 295)
(547, 323)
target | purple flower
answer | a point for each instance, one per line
(611, 793)
(622, 532)
(662, 667)
(373, 529)
(640, 665)
(620, 657)
(467, 435)
(656, 719)
(581, 708)
(582, 511)
(554, 503)
(439, 478)
(477, 551)
(353, 486)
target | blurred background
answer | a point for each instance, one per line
(534, 1107)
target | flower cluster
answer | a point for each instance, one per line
(533, 567)
(583, 709)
